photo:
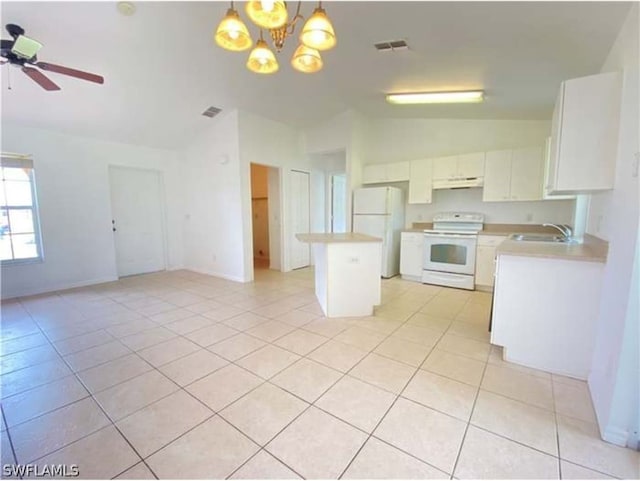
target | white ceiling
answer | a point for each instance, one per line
(162, 68)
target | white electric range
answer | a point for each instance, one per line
(449, 254)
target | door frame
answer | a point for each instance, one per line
(163, 212)
(290, 224)
(248, 236)
(329, 199)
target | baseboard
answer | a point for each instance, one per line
(217, 274)
(617, 436)
(406, 277)
(57, 287)
(484, 288)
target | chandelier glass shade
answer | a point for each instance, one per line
(262, 59)
(267, 14)
(306, 59)
(318, 32)
(272, 15)
(232, 34)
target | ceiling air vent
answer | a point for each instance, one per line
(211, 112)
(391, 46)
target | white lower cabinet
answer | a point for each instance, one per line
(545, 312)
(485, 259)
(411, 244)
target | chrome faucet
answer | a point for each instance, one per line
(565, 229)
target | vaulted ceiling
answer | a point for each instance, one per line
(162, 67)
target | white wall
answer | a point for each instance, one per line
(470, 200)
(614, 381)
(396, 140)
(267, 142)
(72, 183)
(213, 224)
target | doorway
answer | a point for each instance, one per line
(265, 215)
(137, 220)
(260, 215)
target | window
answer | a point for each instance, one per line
(19, 228)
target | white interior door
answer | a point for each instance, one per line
(338, 203)
(136, 207)
(300, 218)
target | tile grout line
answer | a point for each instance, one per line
(393, 403)
(555, 418)
(466, 429)
(13, 451)
(295, 327)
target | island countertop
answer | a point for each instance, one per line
(332, 238)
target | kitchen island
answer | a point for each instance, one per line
(347, 272)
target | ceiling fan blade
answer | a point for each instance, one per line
(40, 78)
(50, 67)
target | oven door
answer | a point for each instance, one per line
(445, 252)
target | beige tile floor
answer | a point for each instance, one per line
(182, 375)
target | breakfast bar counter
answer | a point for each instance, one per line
(347, 272)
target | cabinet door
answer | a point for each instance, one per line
(471, 165)
(411, 254)
(546, 181)
(373, 174)
(526, 174)
(485, 265)
(445, 167)
(554, 143)
(497, 176)
(587, 135)
(398, 171)
(420, 181)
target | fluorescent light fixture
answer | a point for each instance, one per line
(468, 96)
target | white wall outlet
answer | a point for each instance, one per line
(353, 260)
(213, 257)
(529, 217)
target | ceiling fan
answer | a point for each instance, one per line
(21, 52)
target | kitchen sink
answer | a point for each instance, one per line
(539, 238)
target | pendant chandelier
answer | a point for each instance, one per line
(317, 34)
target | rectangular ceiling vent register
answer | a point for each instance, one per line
(391, 46)
(211, 112)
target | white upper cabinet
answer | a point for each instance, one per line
(459, 166)
(584, 135)
(497, 176)
(545, 183)
(382, 173)
(527, 167)
(471, 165)
(513, 175)
(445, 167)
(420, 181)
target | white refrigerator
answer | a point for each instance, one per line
(379, 212)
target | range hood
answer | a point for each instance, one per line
(458, 183)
